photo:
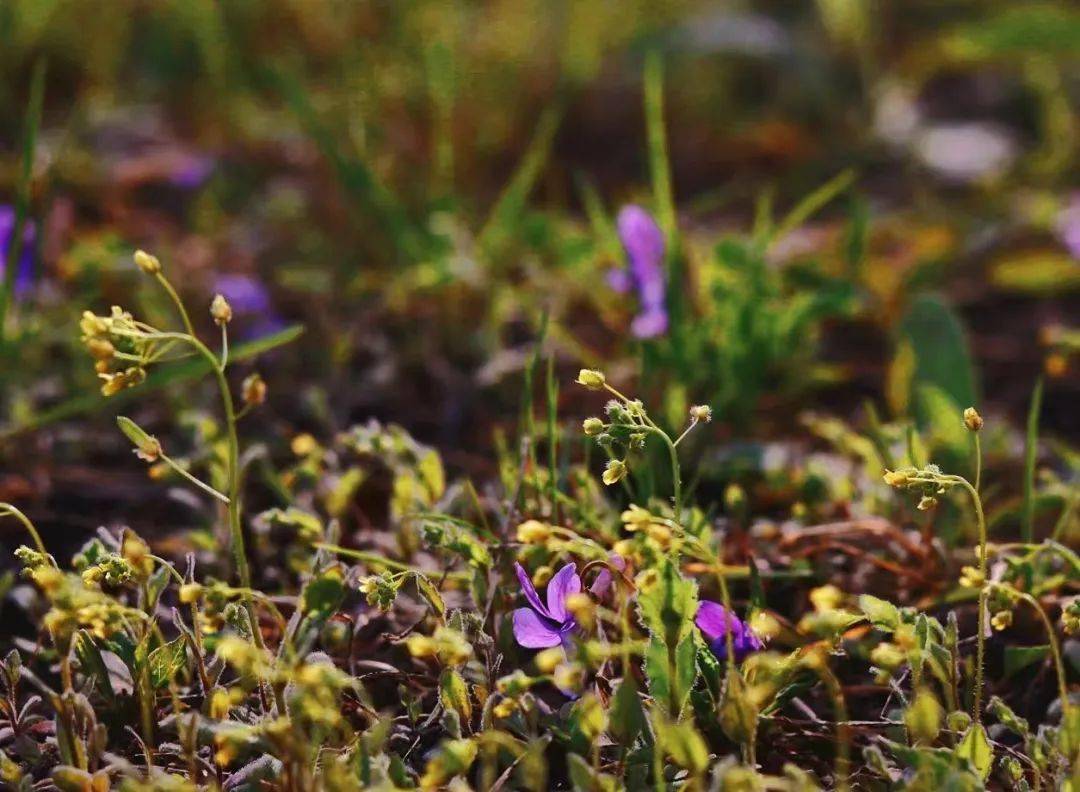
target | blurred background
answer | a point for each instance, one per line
(872, 209)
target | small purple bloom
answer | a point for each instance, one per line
(251, 302)
(190, 171)
(1068, 226)
(643, 243)
(714, 621)
(542, 626)
(602, 584)
(24, 267)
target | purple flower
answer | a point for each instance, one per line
(643, 243)
(1068, 226)
(540, 626)
(250, 300)
(714, 621)
(24, 268)
(602, 583)
(190, 171)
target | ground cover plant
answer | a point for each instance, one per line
(373, 420)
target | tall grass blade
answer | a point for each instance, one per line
(1031, 441)
(31, 127)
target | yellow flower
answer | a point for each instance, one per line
(614, 472)
(591, 379)
(533, 532)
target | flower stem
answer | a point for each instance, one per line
(196, 481)
(7, 508)
(168, 287)
(980, 635)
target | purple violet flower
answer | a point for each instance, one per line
(643, 243)
(250, 301)
(540, 626)
(24, 267)
(714, 621)
(1068, 226)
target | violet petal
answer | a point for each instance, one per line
(534, 631)
(564, 583)
(529, 591)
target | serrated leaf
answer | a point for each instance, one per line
(454, 694)
(627, 717)
(166, 661)
(738, 715)
(430, 593)
(881, 613)
(975, 747)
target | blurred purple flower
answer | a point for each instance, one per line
(540, 626)
(643, 242)
(602, 584)
(714, 621)
(1068, 226)
(251, 303)
(24, 267)
(191, 171)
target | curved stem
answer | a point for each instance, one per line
(168, 287)
(1055, 650)
(7, 508)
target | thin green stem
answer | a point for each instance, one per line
(7, 508)
(168, 287)
(224, 346)
(978, 460)
(1055, 649)
(980, 634)
(194, 480)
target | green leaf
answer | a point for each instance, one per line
(738, 715)
(668, 604)
(943, 357)
(429, 592)
(1018, 658)
(454, 694)
(975, 747)
(166, 662)
(627, 717)
(323, 594)
(881, 613)
(1031, 447)
(683, 744)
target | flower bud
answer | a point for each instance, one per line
(926, 503)
(592, 426)
(583, 609)
(221, 310)
(533, 532)
(970, 577)
(972, 420)
(896, 478)
(547, 660)
(100, 348)
(147, 263)
(701, 412)
(191, 592)
(253, 390)
(569, 677)
(591, 379)
(614, 472)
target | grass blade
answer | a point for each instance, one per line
(32, 125)
(1027, 527)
